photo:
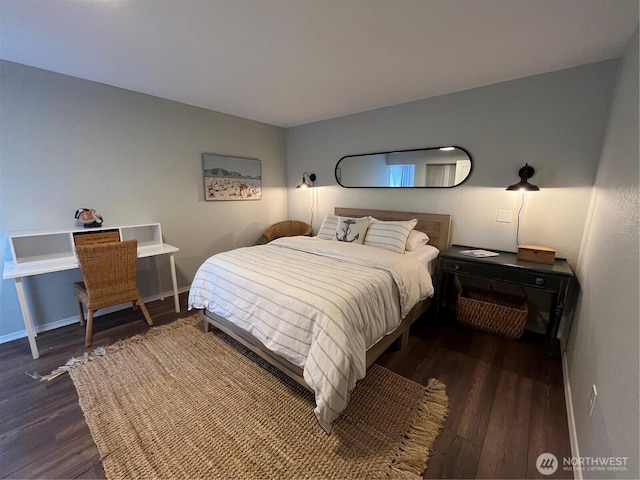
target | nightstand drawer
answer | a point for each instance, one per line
(500, 273)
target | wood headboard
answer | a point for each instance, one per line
(436, 225)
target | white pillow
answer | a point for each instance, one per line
(390, 235)
(352, 230)
(329, 226)
(416, 239)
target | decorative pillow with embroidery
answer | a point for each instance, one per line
(352, 230)
(390, 235)
(329, 226)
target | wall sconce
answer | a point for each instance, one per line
(304, 184)
(523, 185)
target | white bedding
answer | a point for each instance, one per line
(428, 255)
(320, 304)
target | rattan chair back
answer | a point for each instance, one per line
(109, 273)
(286, 228)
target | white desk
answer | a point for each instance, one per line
(47, 251)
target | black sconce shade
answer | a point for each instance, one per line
(304, 184)
(523, 185)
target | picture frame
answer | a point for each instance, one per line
(231, 178)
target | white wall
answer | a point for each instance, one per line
(603, 346)
(67, 143)
(554, 121)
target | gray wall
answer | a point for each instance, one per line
(554, 121)
(603, 347)
(67, 143)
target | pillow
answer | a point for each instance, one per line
(352, 230)
(390, 235)
(329, 226)
(415, 240)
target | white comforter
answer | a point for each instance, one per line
(320, 304)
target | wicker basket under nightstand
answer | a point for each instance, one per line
(492, 312)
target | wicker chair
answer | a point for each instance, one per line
(109, 272)
(287, 228)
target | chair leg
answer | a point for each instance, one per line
(87, 338)
(145, 312)
(81, 309)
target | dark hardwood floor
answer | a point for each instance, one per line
(507, 399)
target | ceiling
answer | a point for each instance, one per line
(289, 63)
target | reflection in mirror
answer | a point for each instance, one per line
(427, 167)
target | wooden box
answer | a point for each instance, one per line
(536, 253)
(103, 236)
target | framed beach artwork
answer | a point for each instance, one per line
(231, 178)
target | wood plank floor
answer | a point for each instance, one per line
(507, 400)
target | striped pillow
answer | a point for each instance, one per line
(329, 226)
(389, 235)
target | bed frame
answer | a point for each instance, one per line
(436, 226)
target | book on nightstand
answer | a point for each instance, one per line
(478, 253)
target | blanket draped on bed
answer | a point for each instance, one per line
(319, 304)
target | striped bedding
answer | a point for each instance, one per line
(319, 304)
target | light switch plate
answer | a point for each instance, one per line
(504, 216)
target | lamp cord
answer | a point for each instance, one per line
(312, 205)
(518, 225)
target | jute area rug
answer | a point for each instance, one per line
(180, 403)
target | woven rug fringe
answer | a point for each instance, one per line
(410, 461)
(74, 362)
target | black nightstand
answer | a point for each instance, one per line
(556, 278)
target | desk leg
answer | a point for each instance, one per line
(557, 306)
(159, 277)
(558, 318)
(176, 299)
(439, 286)
(442, 295)
(555, 317)
(26, 316)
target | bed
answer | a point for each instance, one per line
(320, 311)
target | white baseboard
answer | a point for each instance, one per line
(76, 318)
(573, 435)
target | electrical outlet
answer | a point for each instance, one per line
(592, 399)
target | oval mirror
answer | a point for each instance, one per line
(441, 167)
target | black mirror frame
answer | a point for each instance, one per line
(403, 151)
